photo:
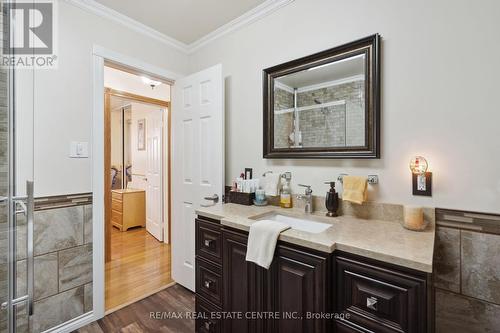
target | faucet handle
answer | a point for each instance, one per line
(308, 188)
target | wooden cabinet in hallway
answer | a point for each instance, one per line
(128, 208)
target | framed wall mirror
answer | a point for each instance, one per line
(326, 105)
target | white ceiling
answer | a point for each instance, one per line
(183, 20)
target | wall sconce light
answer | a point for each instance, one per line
(421, 178)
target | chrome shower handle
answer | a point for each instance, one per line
(27, 204)
(30, 208)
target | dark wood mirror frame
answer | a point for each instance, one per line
(370, 46)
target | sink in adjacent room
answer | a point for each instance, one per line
(296, 223)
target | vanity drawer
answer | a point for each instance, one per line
(209, 241)
(207, 321)
(209, 281)
(379, 298)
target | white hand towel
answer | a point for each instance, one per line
(262, 241)
(271, 182)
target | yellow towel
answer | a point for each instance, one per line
(355, 189)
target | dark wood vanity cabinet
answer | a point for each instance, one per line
(310, 291)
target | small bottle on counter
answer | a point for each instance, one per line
(286, 191)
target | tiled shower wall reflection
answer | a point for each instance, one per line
(332, 126)
(63, 264)
(345, 122)
(283, 123)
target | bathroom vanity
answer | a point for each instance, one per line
(356, 276)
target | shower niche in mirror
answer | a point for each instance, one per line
(326, 105)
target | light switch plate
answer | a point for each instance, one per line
(79, 149)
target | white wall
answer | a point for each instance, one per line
(440, 73)
(63, 97)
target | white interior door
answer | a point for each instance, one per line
(154, 189)
(197, 161)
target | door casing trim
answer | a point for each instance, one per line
(99, 55)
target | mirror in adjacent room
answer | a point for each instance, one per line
(324, 105)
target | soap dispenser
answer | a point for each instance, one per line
(332, 200)
(286, 191)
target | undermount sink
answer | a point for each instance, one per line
(297, 223)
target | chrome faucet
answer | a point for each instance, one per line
(307, 197)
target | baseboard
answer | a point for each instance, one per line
(73, 324)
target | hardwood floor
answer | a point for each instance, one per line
(140, 265)
(137, 318)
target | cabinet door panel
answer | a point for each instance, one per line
(300, 290)
(242, 284)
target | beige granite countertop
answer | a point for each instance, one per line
(386, 241)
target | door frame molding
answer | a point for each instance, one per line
(99, 55)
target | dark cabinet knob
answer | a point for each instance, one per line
(209, 326)
(208, 284)
(208, 242)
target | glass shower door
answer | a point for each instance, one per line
(17, 266)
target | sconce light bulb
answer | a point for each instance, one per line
(418, 165)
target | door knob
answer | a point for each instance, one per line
(214, 198)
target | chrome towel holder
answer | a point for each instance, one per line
(372, 179)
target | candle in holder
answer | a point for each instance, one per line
(414, 218)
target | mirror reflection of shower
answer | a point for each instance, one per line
(321, 107)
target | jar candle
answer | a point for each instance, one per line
(414, 218)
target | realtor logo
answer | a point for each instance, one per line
(29, 32)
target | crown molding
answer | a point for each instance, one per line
(249, 17)
(98, 9)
